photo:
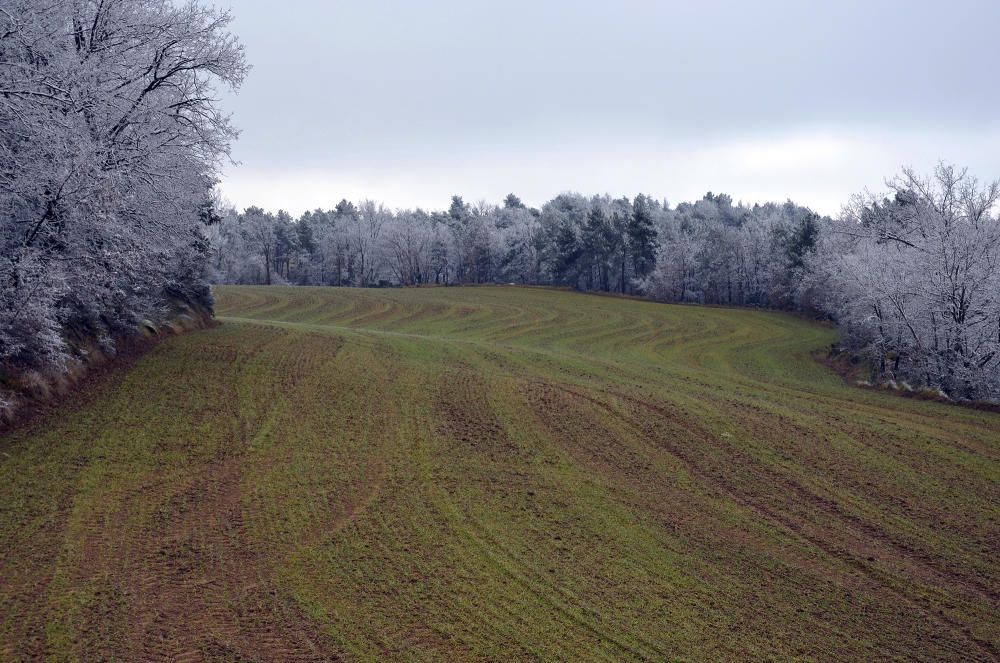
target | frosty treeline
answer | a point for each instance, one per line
(912, 278)
(711, 251)
(109, 143)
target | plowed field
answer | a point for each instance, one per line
(497, 474)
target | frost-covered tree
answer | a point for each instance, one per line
(259, 232)
(519, 244)
(913, 278)
(366, 227)
(110, 139)
(406, 241)
(715, 252)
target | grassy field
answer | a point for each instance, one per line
(497, 474)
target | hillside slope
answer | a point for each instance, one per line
(497, 474)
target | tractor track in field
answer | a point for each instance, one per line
(497, 474)
(203, 587)
(197, 587)
(865, 534)
(466, 418)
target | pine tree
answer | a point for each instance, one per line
(642, 237)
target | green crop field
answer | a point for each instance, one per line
(497, 474)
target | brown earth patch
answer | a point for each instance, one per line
(466, 418)
(199, 590)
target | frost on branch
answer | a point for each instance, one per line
(110, 140)
(914, 279)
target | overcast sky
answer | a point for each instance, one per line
(410, 102)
